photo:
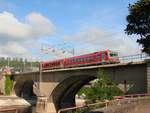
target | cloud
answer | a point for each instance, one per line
(15, 35)
(16, 48)
(40, 23)
(95, 39)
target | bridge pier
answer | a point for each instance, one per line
(43, 106)
(51, 108)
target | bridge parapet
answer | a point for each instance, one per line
(134, 58)
(122, 104)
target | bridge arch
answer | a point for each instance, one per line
(24, 88)
(64, 93)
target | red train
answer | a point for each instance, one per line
(101, 57)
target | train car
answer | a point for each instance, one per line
(101, 57)
(52, 64)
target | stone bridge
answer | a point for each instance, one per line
(61, 85)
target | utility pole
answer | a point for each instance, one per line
(40, 72)
(31, 65)
(24, 65)
(73, 52)
(8, 62)
(45, 50)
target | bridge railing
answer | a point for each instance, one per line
(118, 100)
(11, 110)
(131, 96)
(133, 58)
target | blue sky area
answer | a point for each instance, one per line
(58, 26)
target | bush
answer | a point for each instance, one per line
(102, 89)
(8, 85)
(84, 90)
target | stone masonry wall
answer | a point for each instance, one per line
(127, 107)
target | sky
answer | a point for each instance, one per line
(53, 29)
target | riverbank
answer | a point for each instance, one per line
(13, 102)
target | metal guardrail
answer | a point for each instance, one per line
(133, 58)
(118, 100)
(13, 110)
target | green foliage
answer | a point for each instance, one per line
(139, 23)
(102, 79)
(84, 90)
(102, 93)
(103, 88)
(8, 85)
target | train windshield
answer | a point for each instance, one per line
(112, 54)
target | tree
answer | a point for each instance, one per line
(102, 88)
(139, 23)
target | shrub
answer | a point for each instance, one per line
(102, 89)
(8, 85)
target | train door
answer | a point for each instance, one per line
(103, 57)
(106, 56)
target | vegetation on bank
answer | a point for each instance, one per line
(8, 84)
(102, 89)
(18, 64)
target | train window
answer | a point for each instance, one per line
(73, 60)
(84, 59)
(113, 54)
(98, 56)
(76, 60)
(88, 58)
(70, 61)
(79, 59)
(91, 57)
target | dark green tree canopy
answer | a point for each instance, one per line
(139, 23)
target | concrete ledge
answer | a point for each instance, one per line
(126, 107)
